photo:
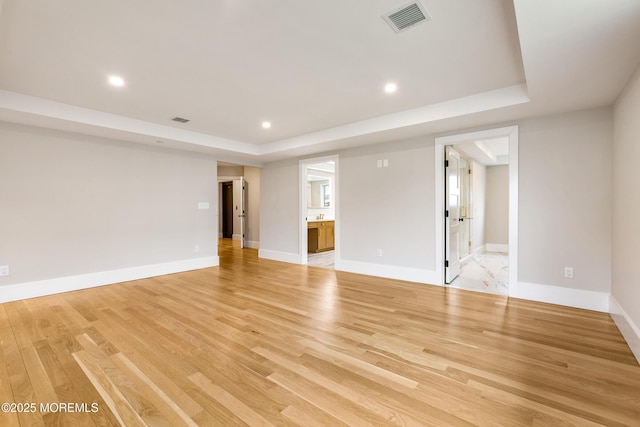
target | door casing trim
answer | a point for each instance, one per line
(512, 133)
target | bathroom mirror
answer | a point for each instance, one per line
(318, 192)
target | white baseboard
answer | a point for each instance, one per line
(236, 237)
(279, 256)
(388, 271)
(590, 300)
(480, 249)
(252, 244)
(58, 285)
(496, 247)
(629, 330)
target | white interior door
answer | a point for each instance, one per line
(452, 214)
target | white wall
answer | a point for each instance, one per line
(279, 211)
(252, 180)
(230, 170)
(626, 203)
(565, 200)
(478, 194)
(388, 208)
(497, 205)
(75, 204)
(564, 212)
(391, 209)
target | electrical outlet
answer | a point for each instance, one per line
(4, 270)
(568, 272)
(196, 248)
(379, 163)
(203, 205)
(379, 252)
(385, 163)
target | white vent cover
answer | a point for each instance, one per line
(407, 16)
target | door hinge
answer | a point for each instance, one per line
(446, 264)
(469, 171)
(446, 163)
(446, 214)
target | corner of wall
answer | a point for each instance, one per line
(629, 330)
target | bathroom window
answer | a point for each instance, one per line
(325, 194)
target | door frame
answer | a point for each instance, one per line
(512, 133)
(302, 209)
(221, 179)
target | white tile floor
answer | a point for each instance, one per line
(321, 259)
(486, 272)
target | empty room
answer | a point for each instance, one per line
(327, 213)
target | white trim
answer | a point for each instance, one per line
(279, 256)
(480, 249)
(227, 178)
(58, 285)
(629, 330)
(252, 244)
(570, 297)
(236, 236)
(497, 247)
(512, 133)
(388, 271)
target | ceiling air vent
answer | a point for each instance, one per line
(407, 16)
(180, 120)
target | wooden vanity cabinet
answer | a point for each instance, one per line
(320, 236)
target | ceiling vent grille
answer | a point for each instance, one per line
(407, 16)
(180, 120)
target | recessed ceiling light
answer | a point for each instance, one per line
(390, 87)
(266, 125)
(116, 81)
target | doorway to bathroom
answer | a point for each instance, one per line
(318, 212)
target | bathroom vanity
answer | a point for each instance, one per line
(320, 235)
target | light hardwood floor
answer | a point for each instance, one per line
(258, 342)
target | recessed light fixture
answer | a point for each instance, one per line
(116, 81)
(390, 87)
(266, 125)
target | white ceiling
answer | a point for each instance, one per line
(315, 70)
(488, 152)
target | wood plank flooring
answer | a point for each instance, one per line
(256, 342)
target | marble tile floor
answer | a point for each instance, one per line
(486, 272)
(321, 259)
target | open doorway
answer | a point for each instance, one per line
(238, 205)
(318, 212)
(477, 215)
(226, 207)
(233, 210)
(476, 210)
